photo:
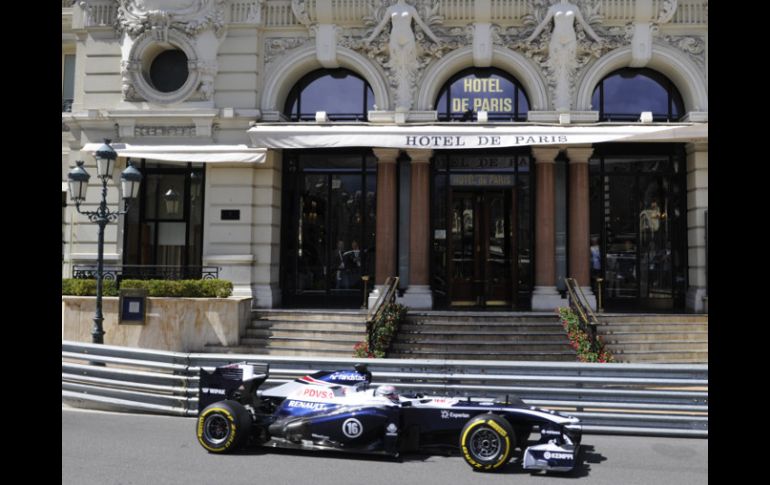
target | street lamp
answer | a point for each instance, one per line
(78, 183)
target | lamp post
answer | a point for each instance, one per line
(78, 183)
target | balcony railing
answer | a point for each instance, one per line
(146, 272)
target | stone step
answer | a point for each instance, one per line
(296, 352)
(650, 327)
(620, 337)
(484, 355)
(301, 343)
(663, 356)
(484, 320)
(301, 333)
(444, 326)
(307, 326)
(309, 315)
(461, 346)
(482, 337)
(656, 318)
(698, 345)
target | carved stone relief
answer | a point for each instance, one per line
(405, 36)
(152, 26)
(188, 16)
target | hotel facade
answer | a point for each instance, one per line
(481, 150)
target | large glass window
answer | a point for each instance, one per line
(167, 226)
(474, 90)
(624, 94)
(329, 227)
(68, 82)
(638, 226)
(342, 94)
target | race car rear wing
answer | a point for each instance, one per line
(238, 382)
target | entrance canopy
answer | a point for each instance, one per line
(466, 135)
(186, 153)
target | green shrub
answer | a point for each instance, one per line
(164, 288)
(81, 287)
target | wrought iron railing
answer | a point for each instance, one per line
(146, 272)
(586, 317)
(387, 295)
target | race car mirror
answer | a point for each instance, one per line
(133, 306)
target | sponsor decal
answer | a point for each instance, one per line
(345, 376)
(444, 400)
(312, 392)
(209, 390)
(352, 428)
(550, 432)
(451, 415)
(391, 430)
(557, 456)
(317, 406)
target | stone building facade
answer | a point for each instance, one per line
(479, 150)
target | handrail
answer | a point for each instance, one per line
(387, 295)
(583, 309)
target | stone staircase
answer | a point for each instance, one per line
(655, 338)
(482, 336)
(320, 333)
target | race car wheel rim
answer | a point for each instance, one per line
(216, 429)
(485, 444)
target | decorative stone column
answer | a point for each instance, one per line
(385, 263)
(545, 296)
(418, 295)
(579, 221)
(697, 205)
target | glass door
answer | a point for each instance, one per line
(328, 237)
(480, 266)
(638, 232)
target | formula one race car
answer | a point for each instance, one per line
(339, 411)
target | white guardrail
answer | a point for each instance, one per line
(631, 399)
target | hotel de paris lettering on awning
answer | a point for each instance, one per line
(299, 135)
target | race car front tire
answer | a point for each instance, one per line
(487, 442)
(223, 427)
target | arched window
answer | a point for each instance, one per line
(624, 94)
(488, 89)
(344, 96)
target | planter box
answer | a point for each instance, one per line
(175, 324)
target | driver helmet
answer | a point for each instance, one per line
(387, 391)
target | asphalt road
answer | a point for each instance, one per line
(110, 448)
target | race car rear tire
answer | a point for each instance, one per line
(223, 426)
(487, 442)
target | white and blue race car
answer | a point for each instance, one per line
(337, 410)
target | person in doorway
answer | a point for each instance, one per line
(339, 259)
(353, 264)
(596, 258)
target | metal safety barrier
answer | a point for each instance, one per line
(632, 399)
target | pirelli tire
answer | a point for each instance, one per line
(223, 427)
(487, 442)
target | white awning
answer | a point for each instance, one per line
(186, 153)
(466, 135)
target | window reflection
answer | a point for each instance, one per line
(342, 94)
(624, 94)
